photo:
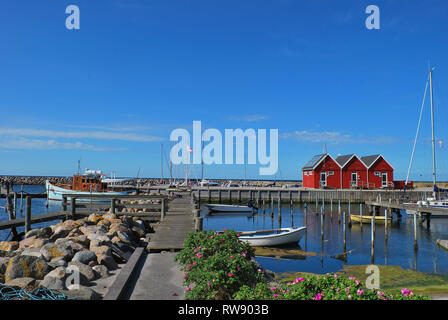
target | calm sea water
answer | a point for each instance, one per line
(38, 206)
(398, 250)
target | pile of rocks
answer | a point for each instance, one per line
(59, 256)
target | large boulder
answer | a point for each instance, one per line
(33, 242)
(60, 231)
(86, 272)
(80, 292)
(53, 250)
(9, 246)
(26, 266)
(101, 271)
(104, 256)
(84, 256)
(21, 282)
(52, 284)
(73, 224)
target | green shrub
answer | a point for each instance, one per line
(324, 287)
(217, 265)
(220, 266)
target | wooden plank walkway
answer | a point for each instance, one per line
(396, 205)
(173, 229)
(34, 219)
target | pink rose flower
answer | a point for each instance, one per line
(318, 297)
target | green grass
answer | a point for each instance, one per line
(392, 278)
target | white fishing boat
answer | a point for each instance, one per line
(439, 195)
(268, 238)
(231, 208)
(87, 184)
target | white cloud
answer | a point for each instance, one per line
(334, 137)
(101, 135)
(39, 144)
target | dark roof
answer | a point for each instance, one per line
(341, 160)
(368, 160)
(313, 161)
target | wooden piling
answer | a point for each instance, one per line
(344, 231)
(360, 213)
(112, 206)
(162, 209)
(385, 224)
(73, 207)
(198, 223)
(415, 231)
(64, 203)
(27, 214)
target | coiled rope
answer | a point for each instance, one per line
(11, 293)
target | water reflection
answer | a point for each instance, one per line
(337, 244)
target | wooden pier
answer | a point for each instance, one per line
(239, 194)
(420, 210)
(77, 208)
(181, 218)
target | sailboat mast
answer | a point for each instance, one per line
(432, 131)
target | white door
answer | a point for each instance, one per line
(354, 179)
(323, 179)
(384, 179)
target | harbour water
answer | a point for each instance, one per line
(398, 250)
(38, 206)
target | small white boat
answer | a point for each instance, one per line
(267, 238)
(230, 208)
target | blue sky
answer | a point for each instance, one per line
(112, 92)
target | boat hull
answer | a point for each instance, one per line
(228, 208)
(368, 219)
(54, 193)
(290, 235)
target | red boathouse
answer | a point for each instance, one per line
(321, 171)
(348, 171)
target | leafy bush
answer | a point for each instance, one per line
(325, 287)
(220, 266)
(217, 265)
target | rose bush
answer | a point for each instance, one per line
(216, 265)
(220, 266)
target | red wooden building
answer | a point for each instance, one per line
(347, 171)
(380, 174)
(321, 171)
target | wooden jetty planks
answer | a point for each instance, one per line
(173, 229)
(34, 219)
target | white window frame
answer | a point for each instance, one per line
(323, 174)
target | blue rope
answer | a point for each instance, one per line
(11, 293)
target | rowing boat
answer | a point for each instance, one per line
(368, 219)
(230, 208)
(268, 238)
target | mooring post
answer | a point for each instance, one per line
(360, 213)
(372, 233)
(339, 211)
(198, 223)
(322, 224)
(73, 207)
(64, 203)
(344, 231)
(415, 231)
(163, 209)
(27, 214)
(112, 205)
(385, 224)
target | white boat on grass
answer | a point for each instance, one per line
(276, 237)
